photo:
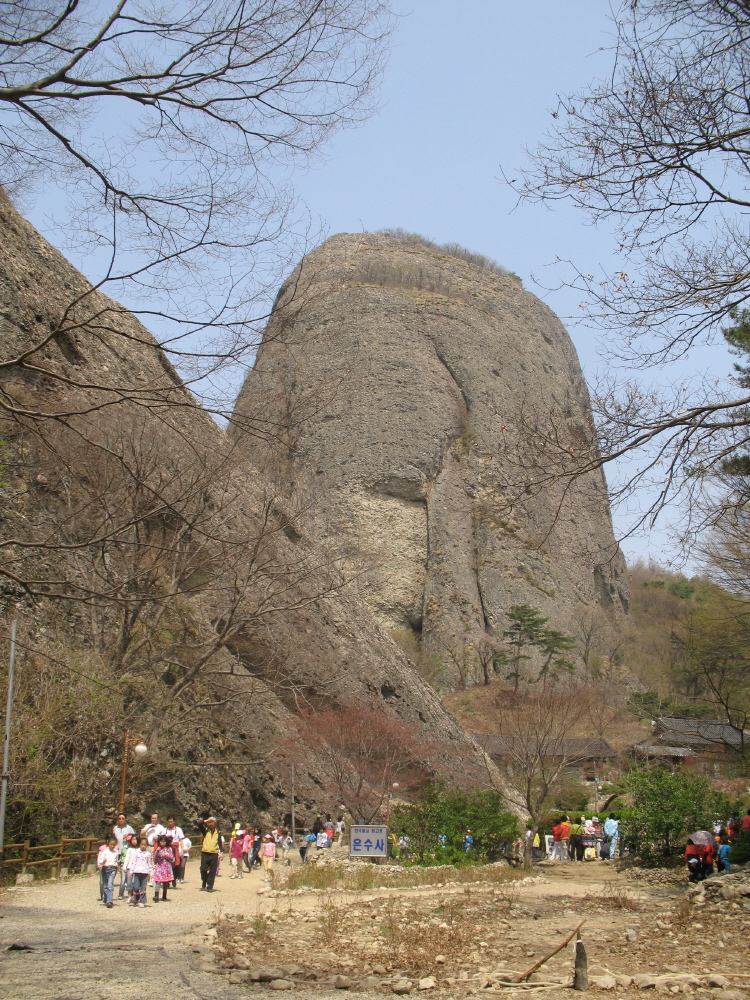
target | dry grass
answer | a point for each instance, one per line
(397, 933)
(612, 897)
(367, 876)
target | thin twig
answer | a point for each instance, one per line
(560, 947)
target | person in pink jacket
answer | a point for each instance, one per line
(247, 845)
(235, 851)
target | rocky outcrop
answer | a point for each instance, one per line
(431, 409)
(94, 378)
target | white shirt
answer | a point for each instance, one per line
(152, 833)
(107, 858)
(121, 832)
(175, 833)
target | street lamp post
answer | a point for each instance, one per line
(140, 748)
(390, 796)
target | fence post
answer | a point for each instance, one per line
(25, 855)
(61, 855)
(87, 855)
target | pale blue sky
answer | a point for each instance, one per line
(469, 84)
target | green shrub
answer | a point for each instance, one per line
(740, 852)
(450, 814)
(667, 808)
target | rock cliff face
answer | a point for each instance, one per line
(107, 370)
(421, 395)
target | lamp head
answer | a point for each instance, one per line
(141, 749)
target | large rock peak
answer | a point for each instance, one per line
(428, 404)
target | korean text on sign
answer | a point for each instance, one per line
(368, 841)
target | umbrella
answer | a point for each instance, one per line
(702, 837)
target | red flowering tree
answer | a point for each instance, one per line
(366, 751)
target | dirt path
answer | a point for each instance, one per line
(78, 950)
(82, 950)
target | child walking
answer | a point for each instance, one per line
(107, 861)
(268, 855)
(139, 864)
(163, 870)
(235, 851)
(128, 844)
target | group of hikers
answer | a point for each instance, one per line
(155, 857)
(581, 839)
(706, 849)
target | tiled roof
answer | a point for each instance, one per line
(662, 751)
(574, 748)
(697, 732)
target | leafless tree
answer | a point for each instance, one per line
(537, 744)
(486, 647)
(165, 127)
(365, 751)
(660, 149)
(171, 554)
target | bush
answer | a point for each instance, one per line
(452, 249)
(667, 808)
(740, 852)
(450, 815)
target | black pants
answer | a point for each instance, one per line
(575, 847)
(163, 890)
(209, 864)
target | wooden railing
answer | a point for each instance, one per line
(59, 854)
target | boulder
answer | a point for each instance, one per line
(343, 983)
(624, 982)
(731, 994)
(268, 975)
(369, 983)
(644, 981)
(281, 984)
(429, 385)
(604, 982)
(401, 986)
(336, 649)
(239, 977)
(716, 981)
(428, 983)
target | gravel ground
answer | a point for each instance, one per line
(57, 941)
(79, 950)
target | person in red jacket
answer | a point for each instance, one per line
(558, 848)
(694, 861)
(707, 860)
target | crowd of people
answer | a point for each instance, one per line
(708, 851)
(155, 857)
(581, 839)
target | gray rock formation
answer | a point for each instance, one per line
(325, 651)
(430, 409)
